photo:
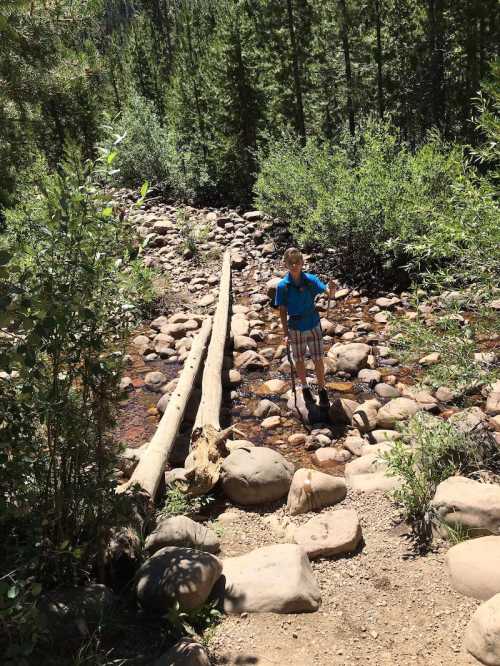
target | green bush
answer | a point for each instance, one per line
(430, 451)
(151, 151)
(382, 206)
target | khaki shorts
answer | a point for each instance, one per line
(312, 339)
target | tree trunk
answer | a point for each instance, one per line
(207, 441)
(347, 59)
(380, 81)
(299, 107)
(151, 467)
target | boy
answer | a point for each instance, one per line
(295, 295)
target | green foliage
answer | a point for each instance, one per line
(382, 206)
(64, 308)
(455, 342)
(193, 622)
(178, 503)
(430, 451)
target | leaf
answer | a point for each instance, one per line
(107, 212)
(112, 156)
(13, 592)
(144, 189)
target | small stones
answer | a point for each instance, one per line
(297, 438)
(331, 454)
(275, 386)
(207, 300)
(244, 343)
(370, 377)
(430, 359)
(266, 408)
(387, 391)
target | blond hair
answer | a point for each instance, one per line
(291, 254)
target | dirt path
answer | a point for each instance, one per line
(380, 605)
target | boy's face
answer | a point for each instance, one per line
(295, 265)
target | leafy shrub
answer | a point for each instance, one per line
(151, 151)
(430, 451)
(382, 206)
(64, 309)
(455, 343)
(179, 503)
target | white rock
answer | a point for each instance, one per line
(329, 534)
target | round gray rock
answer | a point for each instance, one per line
(329, 534)
(184, 532)
(256, 476)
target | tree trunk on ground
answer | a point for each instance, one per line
(207, 441)
(150, 469)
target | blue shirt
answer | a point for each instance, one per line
(299, 300)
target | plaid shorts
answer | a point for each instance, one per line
(313, 339)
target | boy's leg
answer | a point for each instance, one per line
(300, 367)
(315, 342)
(298, 345)
(319, 367)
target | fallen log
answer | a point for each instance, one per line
(202, 466)
(149, 471)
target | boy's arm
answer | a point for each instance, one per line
(284, 322)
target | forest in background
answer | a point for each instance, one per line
(199, 87)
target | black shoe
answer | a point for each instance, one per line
(323, 398)
(306, 392)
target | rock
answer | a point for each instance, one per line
(474, 567)
(273, 579)
(253, 215)
(330, 454)
(396, 410)
(240, 326)
(329, 534)
(382, 317)
(341, 293)
(182, 532)
(464, 503)
(126, 384)
(351, 357)
(341, 411)
(157, 323)
(238, 261)
(176, 574)
(266, 408)
(76, 611)
(177, 330)
(311, 490)
(469, 420)
(297, 438)
(257, 476)
(154, 381)
(444, 394)
(482, 636)
(377, 436)
(271, 287)
(354, 445)
(243, 343)
(368, 474)
(364, 417)
(430, 359)
(186, 652)
(275, 386)
(267, 249)
(250, 360)
(143, 344)
(370, 377)
(207, 300)
(493, 401)
(271, 422)
(232, 379)
(233, 444)
(387, 303)
(387, 391)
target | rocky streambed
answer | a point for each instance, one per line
(316, 563)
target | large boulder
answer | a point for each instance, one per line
(311, 490)
(464, 503)
(350, 357)
(396, 410)
(256, 476)
(482, 637)
(329, 534)
(186, 652)
(273, 579)
(176, 574)
(182, 531)
(474, 567)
